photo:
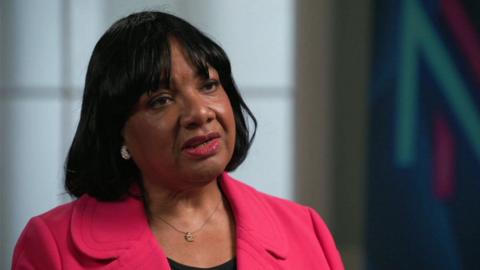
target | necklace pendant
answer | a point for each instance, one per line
(188, 237)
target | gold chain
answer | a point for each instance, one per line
(189, 236)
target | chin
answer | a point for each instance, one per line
(205, 173)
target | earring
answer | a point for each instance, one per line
(124, 152)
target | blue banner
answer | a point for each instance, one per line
(424, 136)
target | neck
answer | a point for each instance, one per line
(191, 203)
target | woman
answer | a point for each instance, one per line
(161, 122)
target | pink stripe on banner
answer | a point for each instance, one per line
(464, 33)
(444, 160)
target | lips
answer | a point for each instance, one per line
(198, 140)
(202, 146)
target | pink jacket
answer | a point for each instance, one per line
(271, 233)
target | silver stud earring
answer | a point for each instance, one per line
(124, 152)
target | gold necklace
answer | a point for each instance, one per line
(189, 236)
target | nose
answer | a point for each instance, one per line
(196, 111)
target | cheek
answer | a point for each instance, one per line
(128, 132)
(231, 120)
(143, 133)
(230, 124)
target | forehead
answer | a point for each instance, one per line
(183, 60)
(182, 66)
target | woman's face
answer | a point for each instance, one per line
(184, 135)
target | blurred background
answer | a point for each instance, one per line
(368, 110)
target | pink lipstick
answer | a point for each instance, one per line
(202, 146)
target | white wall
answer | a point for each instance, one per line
(31, 113)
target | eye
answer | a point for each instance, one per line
(160, 101)
(210, 85)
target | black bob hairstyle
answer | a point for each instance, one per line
(130, 59)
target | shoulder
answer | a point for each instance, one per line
(294, 213)
(38, 244)
(86, 228)
(56, 222)
(53, 222)
(289, 214)
(283, 208)
(302, 228)
(58, 216)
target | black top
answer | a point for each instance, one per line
(230, 265)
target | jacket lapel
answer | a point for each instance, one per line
(260, 243)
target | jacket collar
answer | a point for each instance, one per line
(116, 231)
(108, 230)
(255, 222)
(103, 229)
